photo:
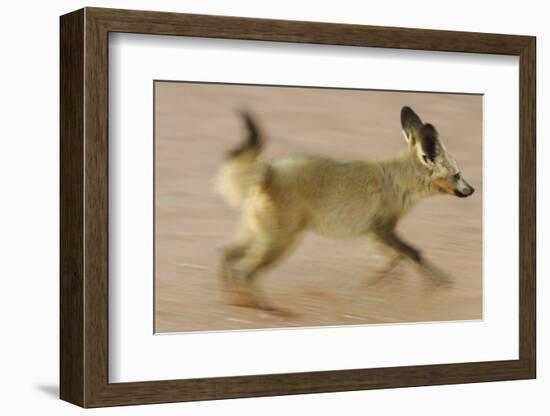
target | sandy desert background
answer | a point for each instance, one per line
(324, 282)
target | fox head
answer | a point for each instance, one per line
(424, 142)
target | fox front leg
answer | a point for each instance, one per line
(392, 259)
(386, 270)
(434, 272)
(405, 250)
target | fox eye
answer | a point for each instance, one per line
(456, 177)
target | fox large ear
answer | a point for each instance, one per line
(410, 122)
(429, 147)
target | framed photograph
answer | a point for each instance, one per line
(255, 207)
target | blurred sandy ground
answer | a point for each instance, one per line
(323, 281)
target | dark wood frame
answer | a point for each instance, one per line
(84, 207)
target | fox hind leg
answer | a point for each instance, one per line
(259, 257)
(268, 230)
(231, 254)
(266, 247)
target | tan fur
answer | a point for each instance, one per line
(281, 199)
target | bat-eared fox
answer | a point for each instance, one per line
(281, 199)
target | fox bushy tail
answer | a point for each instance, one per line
(241, 169)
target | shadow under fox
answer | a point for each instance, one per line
(281, 199)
